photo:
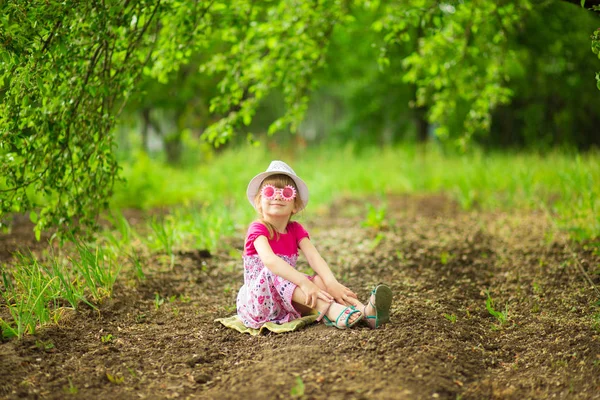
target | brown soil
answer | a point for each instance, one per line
(438, 261)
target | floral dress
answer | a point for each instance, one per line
(265, 297)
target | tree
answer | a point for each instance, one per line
(68, 69)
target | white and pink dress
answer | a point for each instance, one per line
(265, 297)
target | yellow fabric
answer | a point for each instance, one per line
(234, 322)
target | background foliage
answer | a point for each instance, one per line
(79, 79)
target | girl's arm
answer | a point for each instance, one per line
(339, 292)
(284, 270)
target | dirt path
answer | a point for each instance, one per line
(442, 341)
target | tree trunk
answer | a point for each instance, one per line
(145, 126)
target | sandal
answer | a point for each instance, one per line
(380, 300)
(348, 312)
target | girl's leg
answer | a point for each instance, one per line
(305, 310)
(331, 310)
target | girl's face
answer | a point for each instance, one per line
(277, 203)
(277, 206)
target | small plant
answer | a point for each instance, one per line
(164, 234)
(71, 389)
(445, 257)
(450, 317)
(137, 266)
(376, 240)
(140, 318)
(98, 269)
(114, 378)
(376, 217)
(184, 299)
(120, 225)
(501, 317)
(131, 372)
(298, 388)
(46, 346)
(158, 301)
(230, 308)
(27, 294)
(596, 322)
(106, 338)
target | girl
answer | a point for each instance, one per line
(273, 290)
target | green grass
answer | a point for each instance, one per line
(565, 185)
(501, 316)
(36, 290)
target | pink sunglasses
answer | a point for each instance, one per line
(269, 192)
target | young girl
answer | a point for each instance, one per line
(273, 290)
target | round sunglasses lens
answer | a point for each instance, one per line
(287, 193)
(268, 191)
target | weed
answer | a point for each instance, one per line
(376, 240)
(230, 308)
(596, 322)
(27, 306)
(175, 312)
(114, 378)
(131, 372)
(158, 301)
(106, 338)
(71, 389)
(121, 226)
(184, 299)
(137, 265)
(164, 236)
(297, 390)
(376, 217)
(45, 346)
(450, 317)
(446, 257)
(501, 317)
(97, 268)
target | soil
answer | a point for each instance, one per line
(441, 342)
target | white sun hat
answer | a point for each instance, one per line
(277, 167)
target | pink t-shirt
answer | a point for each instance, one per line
(286, 245)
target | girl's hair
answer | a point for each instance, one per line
(279, 181)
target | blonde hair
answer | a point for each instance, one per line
(279, 181)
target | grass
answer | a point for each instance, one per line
(500, 316)
(564, 184)
(36, 291)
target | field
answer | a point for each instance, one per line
(491, 260)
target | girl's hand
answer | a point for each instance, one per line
(342, 294)
(313, 292)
